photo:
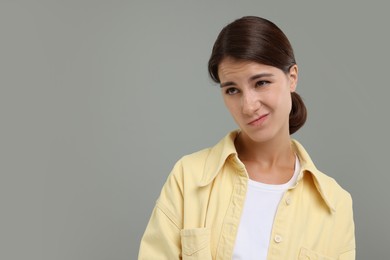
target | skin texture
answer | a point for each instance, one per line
(258, 97)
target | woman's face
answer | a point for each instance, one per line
(258, 97)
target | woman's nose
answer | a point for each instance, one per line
(250, 104)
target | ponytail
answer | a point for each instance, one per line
(298, 113)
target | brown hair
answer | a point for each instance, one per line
(257, 39)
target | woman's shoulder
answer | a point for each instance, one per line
(331, 185)
(213, 154)
(207, 162)
(192, 164)
(329, 188)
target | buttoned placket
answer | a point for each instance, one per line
(281, 226)
(233, 215)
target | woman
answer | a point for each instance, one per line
(256, 194)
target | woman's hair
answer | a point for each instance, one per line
(256, 39)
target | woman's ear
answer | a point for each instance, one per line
(293, 77)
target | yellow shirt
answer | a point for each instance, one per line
(199, 209)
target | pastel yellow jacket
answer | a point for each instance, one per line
(199, 209)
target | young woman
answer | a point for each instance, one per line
(256, 194)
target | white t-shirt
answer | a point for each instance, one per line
(257, 218)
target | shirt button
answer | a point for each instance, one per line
(288, 201)
(278, 239)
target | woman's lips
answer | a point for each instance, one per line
(259, 120)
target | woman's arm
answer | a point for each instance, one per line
(347, 230)
(161, 239)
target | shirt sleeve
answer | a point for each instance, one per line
(161, 240)
(349, 231)
(349, 255)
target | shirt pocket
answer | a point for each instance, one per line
(307, 254)
(195, 243)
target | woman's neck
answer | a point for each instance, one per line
(274, 152)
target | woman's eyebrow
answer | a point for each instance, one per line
(261, 75)
(228, 83)
(254, 77)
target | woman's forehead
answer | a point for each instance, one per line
(229, 67)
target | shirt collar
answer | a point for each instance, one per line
(321, 181)
(225, 148)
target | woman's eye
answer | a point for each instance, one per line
(231, 91)
(262, 83)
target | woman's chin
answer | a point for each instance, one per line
(258, 136)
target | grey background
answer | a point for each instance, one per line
(98, 99)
